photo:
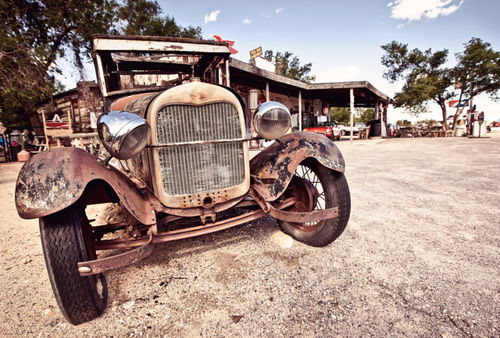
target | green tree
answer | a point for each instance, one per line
(34, 35)
(289, 65)
(144, 17)
(341, 115)
(366, 115)
(403, 123)
(429, 122)
(477, 71)
(424, 75)
(37, 34)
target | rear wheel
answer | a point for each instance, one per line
(66, 240)
(316, 187)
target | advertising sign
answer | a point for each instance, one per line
(255, 53)
(480, 117)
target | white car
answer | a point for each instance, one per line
(346, 130)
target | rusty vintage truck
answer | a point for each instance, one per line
(177, 159)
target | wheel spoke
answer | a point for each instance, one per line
(307, 175)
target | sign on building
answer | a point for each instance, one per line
(255, 53)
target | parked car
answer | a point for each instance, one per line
(177, 159)
(494, 126)
(346, 130)
(326, 129)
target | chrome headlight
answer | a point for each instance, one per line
(272, 120)
(123, 134)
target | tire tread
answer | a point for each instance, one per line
(62, 242)
(332, 228)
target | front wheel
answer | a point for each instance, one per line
(66, 240)
(316, 187)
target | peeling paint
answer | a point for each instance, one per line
(273, 168)
(55, 179)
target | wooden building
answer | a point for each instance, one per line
(305, 101)
(71, 114)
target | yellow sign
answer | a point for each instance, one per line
(255, 53)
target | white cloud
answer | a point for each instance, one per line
(279, 10)
(417, 9)
(212, 16)
(334, 74)
(247, 21)
(401, 25)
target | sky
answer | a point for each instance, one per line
(342, 38)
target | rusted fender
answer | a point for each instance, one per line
(273, 168)
(53, 180)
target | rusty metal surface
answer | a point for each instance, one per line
(273, 168)
(181, 234)
(189, 212)
(196, 95)
(304, 216)
(136, 103)
(55, 179)
(113, 262)
(132, 43)
(158, 38)
(190, 143)
(143, 245)
(174, 235)
(293, 216)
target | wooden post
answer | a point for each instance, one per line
(219, 75)
(71, 114)
(300, 110)
(351, 99)
(228, 80)
(267, 91)
(383, 122)
(45, 130)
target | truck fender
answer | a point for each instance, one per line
(273, 168)
(53, 180)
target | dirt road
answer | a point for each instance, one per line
(420, 257)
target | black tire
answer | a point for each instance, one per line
(333, 192)
(66, 241)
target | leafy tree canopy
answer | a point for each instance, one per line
(289, 65)
(341, 115)
(426, 79)
(36, 34)
(143, 17)
(366, 115)
(403, 123)
(424, 75)
(478, 69)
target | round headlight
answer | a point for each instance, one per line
(123, 134)
(272, 120)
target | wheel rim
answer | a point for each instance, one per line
(310, 195)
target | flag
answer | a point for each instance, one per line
(454, 103)
(229, 42)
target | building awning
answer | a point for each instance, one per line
(335, 93)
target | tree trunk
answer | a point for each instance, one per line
(458, 112)
(444, 113)
(36, 124)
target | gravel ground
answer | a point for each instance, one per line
(419, 257)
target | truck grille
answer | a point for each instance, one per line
(190, 169)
